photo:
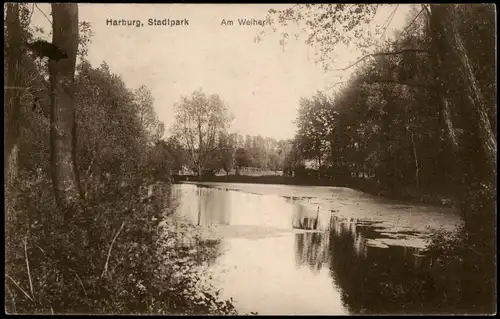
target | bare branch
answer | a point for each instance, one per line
(426, 9)
(31, 14)
(335, 84)
(383, 54)
(22, 290)
(109, 251)
(43, 13)
(27, 262)
(412, 21)
(24, 88)
(408, 83)
(15, 88)
(81, 283)
(389, 20)
(12, 298)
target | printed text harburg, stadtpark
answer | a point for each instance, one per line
(150, 22)
(183, 22)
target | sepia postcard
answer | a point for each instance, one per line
(250, 159)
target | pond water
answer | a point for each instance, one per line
(310, 250)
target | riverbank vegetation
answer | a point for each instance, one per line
(87, 183)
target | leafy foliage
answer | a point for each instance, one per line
(200, 119)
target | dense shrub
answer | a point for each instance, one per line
(460, 272)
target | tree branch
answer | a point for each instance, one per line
(408, 83)
(335, 84)
(412, 21)
(22, 290)
(383, 54)
(426, 9)
(105, 270)
(43, 14)
(27, 262)
(391, 17)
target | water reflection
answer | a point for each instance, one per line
(309, 217)
(372, 278)
(322, 265)
(311, 250)
(203, 206)
(214, 207)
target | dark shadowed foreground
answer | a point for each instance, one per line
(108, 255)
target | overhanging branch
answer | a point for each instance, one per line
(412, 21)
(407, 83)
(384, 54)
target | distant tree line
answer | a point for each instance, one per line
(206, 145)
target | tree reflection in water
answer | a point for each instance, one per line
(373, 280)
(202, 206)
(312, 250)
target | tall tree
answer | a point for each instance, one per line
(241, 159)
(199, 121)
(145, 102)
(315, 126)
(12, 99)
(226, 149)
(63, 124)
(13, 88)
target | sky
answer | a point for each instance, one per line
(260, 82)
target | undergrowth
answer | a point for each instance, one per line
(106, 255)
(460, 272)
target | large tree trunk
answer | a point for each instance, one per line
(12, 99)
(438, 59)
(479, 204)
(448, 44)
(476, 198)
(62, 74)
(199, 171)
(473, 93)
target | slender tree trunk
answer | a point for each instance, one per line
(318, 155)
(415, 157)
(200, 148)
(437, 58)
(62, 73)
(12, 108)
(12, 105)
(199, 207)
(438, 50)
